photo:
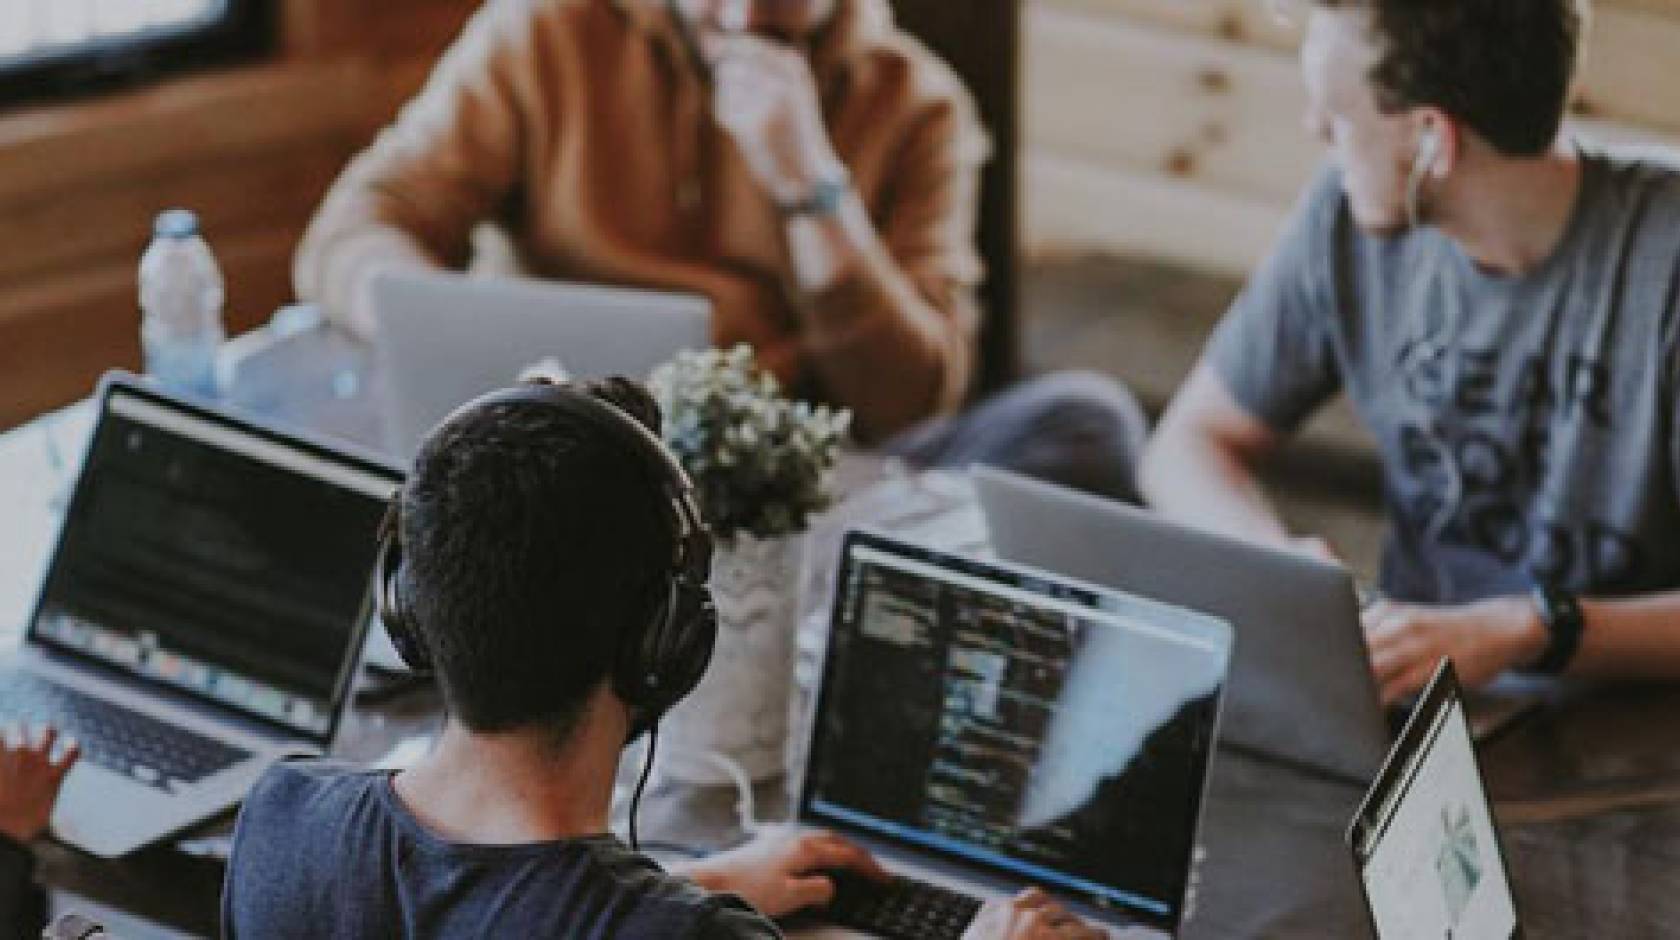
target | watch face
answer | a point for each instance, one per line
(825, 198)
(830, 192)
(1561, 612)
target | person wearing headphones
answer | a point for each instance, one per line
(806, 165)
(547, 562)
(1502, 307)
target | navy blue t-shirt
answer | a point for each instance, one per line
(324, 850)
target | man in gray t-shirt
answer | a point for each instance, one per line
(1503, 310)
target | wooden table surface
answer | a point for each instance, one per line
(1587, 788)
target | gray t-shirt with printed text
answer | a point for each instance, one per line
(1527, 425)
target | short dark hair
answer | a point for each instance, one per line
(532, 542)
(1504, 67)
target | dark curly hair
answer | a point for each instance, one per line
(532, 542)
(1503, 67)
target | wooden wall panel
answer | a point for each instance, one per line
(1235, 21)
(1628, 62)
(1154, 98)
(62, 334)
(179, 124)
(1083, 206)
(1631, 70)
(231, 195)
(1180, 121)
(252, 149)
(374, 29)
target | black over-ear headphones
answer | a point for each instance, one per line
(659, 661)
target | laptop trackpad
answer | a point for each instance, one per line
(109, 814)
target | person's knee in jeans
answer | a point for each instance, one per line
(1079, 429)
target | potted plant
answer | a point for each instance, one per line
(760, 464)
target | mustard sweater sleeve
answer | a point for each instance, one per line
(452, 157)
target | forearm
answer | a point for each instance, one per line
(1195, 480)
(878, 345)
(1630, 638)
(712, 877)
(339, 259)
(413, 197)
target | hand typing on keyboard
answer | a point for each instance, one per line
(784, 870)
(32, 769)
(1030, 915)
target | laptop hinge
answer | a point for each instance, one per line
(49, 661)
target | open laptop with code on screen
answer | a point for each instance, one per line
(201, 616)
(985, 727)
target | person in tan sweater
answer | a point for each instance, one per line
(804, 164)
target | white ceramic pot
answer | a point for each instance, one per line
(740, 709)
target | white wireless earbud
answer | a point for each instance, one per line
(1428, 151)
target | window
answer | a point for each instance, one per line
(59, 47)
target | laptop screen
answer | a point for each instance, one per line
(218, 560)
(1056, 733)
(1424, 841)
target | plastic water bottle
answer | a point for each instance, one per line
(181, 297)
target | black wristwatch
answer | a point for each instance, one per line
(1560, 611)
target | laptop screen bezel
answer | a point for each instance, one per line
(1002, 573)
(115, 383)
(1433, 709)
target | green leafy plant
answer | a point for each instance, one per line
(759, 461)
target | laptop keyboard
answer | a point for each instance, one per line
(900, 909)
(153, 752)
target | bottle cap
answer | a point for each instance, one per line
(176, 223)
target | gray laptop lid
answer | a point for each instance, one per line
(1301, 686)
(444, 339)
(1016, 724)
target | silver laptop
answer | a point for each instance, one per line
(201, 616)
(1301, 685)
(444, 339)
(1425, 842)
(983, 727)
